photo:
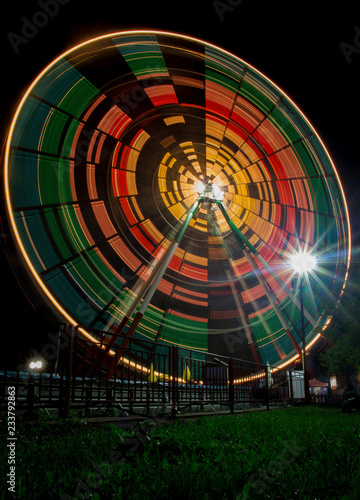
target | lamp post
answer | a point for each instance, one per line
(302, 263)
(33, 389)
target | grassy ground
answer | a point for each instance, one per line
(296, 453)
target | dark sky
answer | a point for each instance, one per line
(301, 49)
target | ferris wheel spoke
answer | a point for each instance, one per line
(241, 238)
(149, 290)
(243, 241)
(232, 279)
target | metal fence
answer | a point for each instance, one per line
(143, 377)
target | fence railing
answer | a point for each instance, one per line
(80, 374)
(324, 399)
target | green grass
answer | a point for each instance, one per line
(298, 453)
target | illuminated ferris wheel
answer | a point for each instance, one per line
(158, 186)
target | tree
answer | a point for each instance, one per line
(344, 330)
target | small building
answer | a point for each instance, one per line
(317, 387)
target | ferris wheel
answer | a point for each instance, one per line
(160, 187)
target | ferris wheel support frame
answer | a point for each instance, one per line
(240, 237)
(242, 317)
(152, 289)
(231, 277)
(243, 241)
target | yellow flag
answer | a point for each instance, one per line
(152, 376)
(186, 374)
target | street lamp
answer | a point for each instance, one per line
(210, 190)
(303, 263)
(35, 365)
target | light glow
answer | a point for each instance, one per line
(200, 187)
(217, 193)
(303, 262)
(210, 190)
(35, 365)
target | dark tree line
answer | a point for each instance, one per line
(344, 331)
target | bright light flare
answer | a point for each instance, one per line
(35, 365)
(217, 193)
(303, 262)
(200, 186)
(209, 190)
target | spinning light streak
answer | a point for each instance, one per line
(104, 160)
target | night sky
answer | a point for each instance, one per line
(312, 55)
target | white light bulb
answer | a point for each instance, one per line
(217, 193)
(303, 262)
(200, 187)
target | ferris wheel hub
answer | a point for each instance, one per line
(210, 191)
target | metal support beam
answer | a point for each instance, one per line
(119, 329)
(158, 270)
(242, 317)
(242, 240)
(265, 325)
(306, 380)
(272, 301)
(231, 278)
(165, 261)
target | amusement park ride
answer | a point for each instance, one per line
(161, 189)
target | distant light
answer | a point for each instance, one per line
(217, 193)
(200, 186)
(210, 190)
(303, 262)
(35, 365)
